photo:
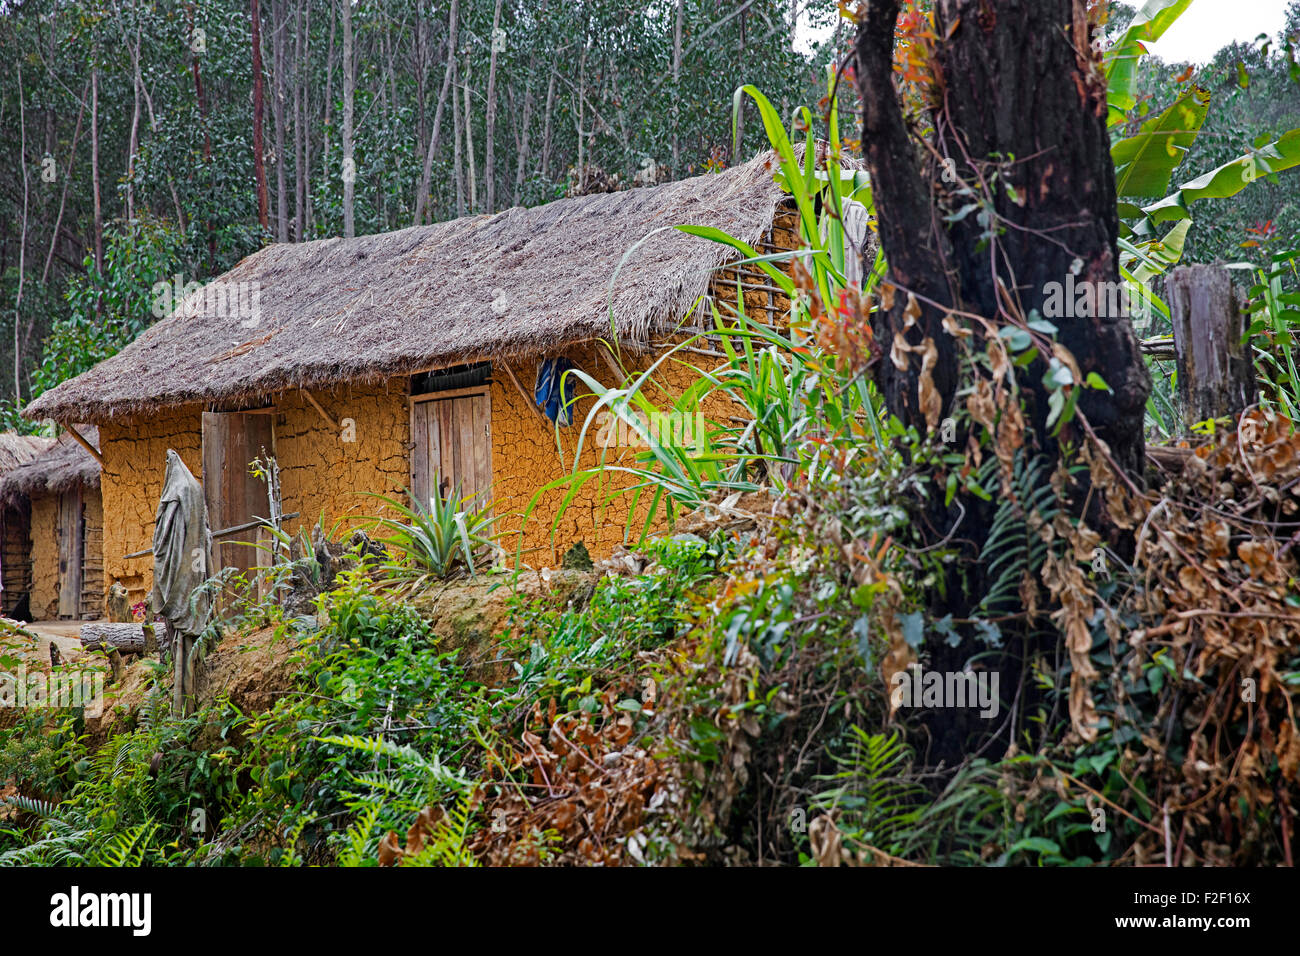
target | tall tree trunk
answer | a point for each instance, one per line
(67, 181)
(300, 72)
(1019, 96)
(738, 146)
(1028, 88)
(490, 119)
(202, 102)
(22, 240)
(457, 155)
(279, 23)
(133, 140)
(94, 165)
(259, 148)
(349, 90)
(677, 79)
(422, 197)
(545, 169)
(469, 142)
(522, 148)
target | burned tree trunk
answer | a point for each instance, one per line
(985, 223)
(1019, 108)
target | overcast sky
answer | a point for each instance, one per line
(1210, 25)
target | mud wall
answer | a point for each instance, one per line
(135, 461)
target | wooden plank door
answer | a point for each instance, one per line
(71, 546)
(231, 441)
(452, 439)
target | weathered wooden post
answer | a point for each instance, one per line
(1216, 377)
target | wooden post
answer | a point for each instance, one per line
(1215, 375)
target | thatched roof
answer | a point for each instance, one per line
(17, 449)
(61, 466)
(368, 308)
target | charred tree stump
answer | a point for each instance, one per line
(1216, 378)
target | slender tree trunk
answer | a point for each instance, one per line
(422, 197)
(22, 240)
(582, 101)
(677, 79)
(469, 142)
(300, 71)
(279, 23)
(545, 169)
(349, 90)
(259, 148)
(202, 102)
(133, 140)
(94, 166)
(738, 147)
(522, 156)
(456, 132)
(490, 120)
(67, 181)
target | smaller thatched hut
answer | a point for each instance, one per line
(57, 492)
(15, 519)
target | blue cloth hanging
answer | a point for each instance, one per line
(555, 392)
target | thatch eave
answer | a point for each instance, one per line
(61, 466)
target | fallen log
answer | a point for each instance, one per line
(127, 638)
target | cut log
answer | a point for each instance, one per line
(1216, 378)
(127, 638)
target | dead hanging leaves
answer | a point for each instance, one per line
(1215, 589)
(931, 402)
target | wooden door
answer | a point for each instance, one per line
(71, 546)
(231, 441)
(451, 434)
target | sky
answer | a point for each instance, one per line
(1210, 25)
(1205, 28)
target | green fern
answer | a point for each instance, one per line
(447, 844)
(1014, 547)
(876, 803)
(360, 849)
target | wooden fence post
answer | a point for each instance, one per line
(1216, 377)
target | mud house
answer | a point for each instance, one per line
(392, 361)
(54, 529)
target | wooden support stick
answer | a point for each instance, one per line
(224, 531)
(317, 405)
(80, 440)
(608, 355)
(527, 401)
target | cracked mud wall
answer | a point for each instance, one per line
(131, 480)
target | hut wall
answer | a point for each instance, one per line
(135, 460)
(323, 468)
(45, 557)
